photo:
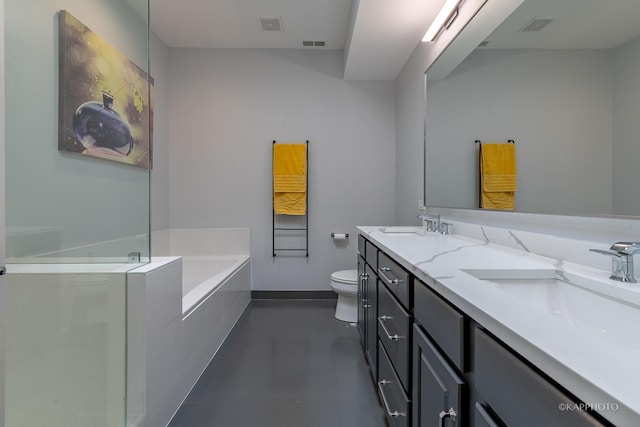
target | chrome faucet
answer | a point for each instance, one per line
(622, 260)
(432, 221)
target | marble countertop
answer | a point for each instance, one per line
(593, 351)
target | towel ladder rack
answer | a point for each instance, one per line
(279, 222)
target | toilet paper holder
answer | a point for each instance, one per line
(346, 235)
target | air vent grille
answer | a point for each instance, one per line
(536, 24)
(271, 23)
(314, 43)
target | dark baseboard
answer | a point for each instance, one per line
(293, 295)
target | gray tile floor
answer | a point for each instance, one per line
(287, 363)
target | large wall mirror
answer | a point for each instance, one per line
(561, 79)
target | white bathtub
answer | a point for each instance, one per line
(181, 307)
(202, 275)
(176, 310)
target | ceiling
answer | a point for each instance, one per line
(378, 36)
(577, 24)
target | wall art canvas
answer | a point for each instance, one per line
(104, 110)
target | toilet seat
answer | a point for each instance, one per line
(349, 277)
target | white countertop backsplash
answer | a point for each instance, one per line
(599, 366)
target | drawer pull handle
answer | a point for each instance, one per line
(394, 414)
(451, 413)
(382, 271)
(395, 337)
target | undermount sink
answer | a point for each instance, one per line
(406, 231)
(584, 303)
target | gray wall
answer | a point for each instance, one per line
(626, 127)
(84, 199)
(557, 105)
(228, 105)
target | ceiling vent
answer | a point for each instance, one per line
(483, 44)
(271, 23)
(314, 43)
(536, 24)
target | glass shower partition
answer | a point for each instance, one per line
(78, 112)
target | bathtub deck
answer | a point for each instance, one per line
(286, 363)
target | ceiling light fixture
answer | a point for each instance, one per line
(444, 19)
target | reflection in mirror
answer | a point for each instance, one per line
(567, 92)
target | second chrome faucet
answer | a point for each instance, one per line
(622, 260)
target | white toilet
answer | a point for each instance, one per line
(345, 284)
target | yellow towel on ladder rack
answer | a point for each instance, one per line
(498, 176)
(290, 179)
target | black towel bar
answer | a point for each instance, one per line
(509, 141)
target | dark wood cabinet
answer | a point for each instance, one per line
(361, 298)
(518, 394)
(438, 390)
(434, 366)
(394, 332)
(371, 317)
(396, 404)
(482, 417)
(442, 322)
(368, 302)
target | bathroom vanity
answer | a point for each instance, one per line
(470, 333)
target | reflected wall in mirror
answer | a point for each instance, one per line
(568, 94)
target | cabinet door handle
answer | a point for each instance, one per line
(394, 414)
(451, 413)
(381, 320)
(382, 271)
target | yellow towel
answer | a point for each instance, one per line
(498, 176)
(290, 179)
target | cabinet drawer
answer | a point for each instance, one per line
(517, 394)
(371, 255)
(395, 278)
(361, 244)
(394, 401)
(442, 322)
(394, 332)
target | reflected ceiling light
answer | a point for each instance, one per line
(444, 18)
